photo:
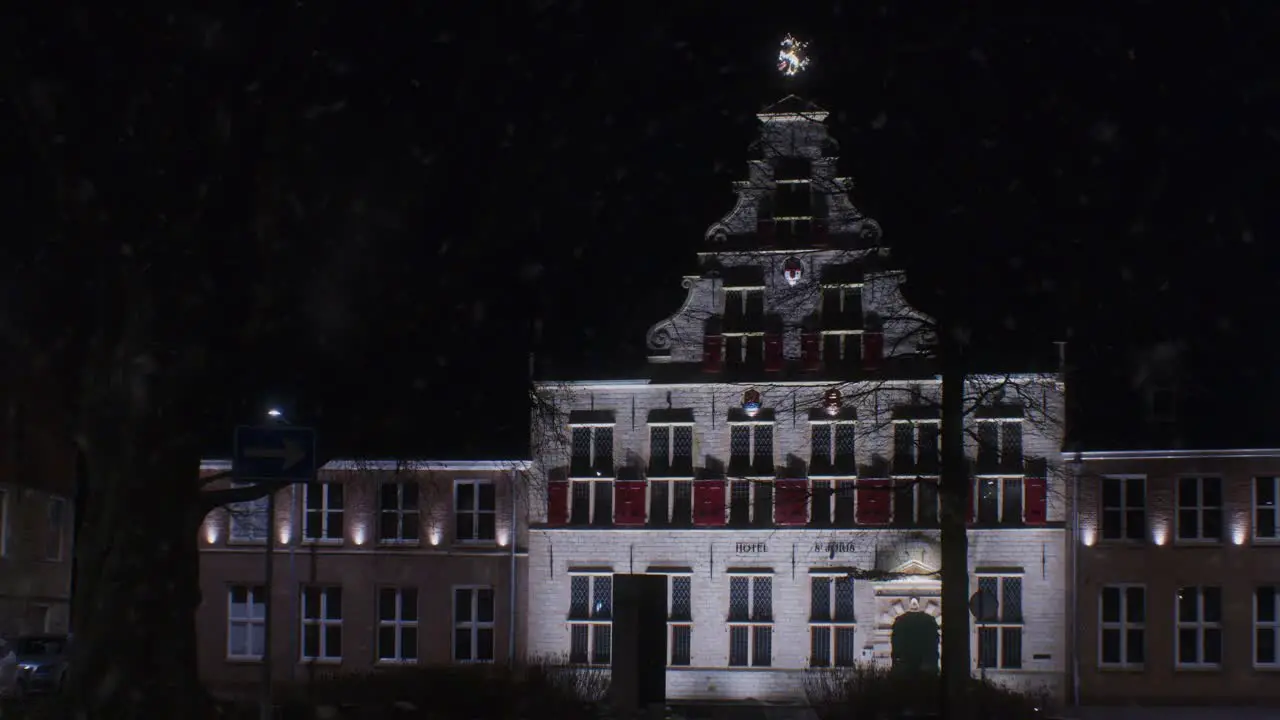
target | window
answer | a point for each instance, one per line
(1124, 503)
(670, 451)
(792, 199)
(592, 451)
(671, 503)
(248, 519)
(323, 502)
(590, 619)
(833, 449)
(1266, 521)
(915, 502)
(832, 503)
(999, 446)
(1124, 626)
(398, 512)
(474, 510)
(743, 310)
(397, 624)
(679, 620)
(1000, 633)
(322, 623)
(473, 624)
(831, 623)
(842, 309)
(1266, 626)
(1199, 626)
(246, 622)
(1000, 500)
(751, 449)
(592, 472)
(750, 503)
(750, 620)
(841, 347)
(1200, 509)
(56, 532)
(916, 447)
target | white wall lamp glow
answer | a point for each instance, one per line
(434, 536)
(359, 533)
(1239, 528)
(1088, 536)
(502, 537)
(210, 533)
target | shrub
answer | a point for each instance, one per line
(871, 692)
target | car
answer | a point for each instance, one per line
(8, 670)
(42, 662)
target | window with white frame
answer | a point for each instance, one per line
(398, 512)
(591, 472)
(831, 621)
(473, 624)
(1199, 626)
(1000, 500)
(841, 306)
(915, 502)
(743, 326)
(397, 624)
(833, 448)
(1266, 626)
(322, 623)
(1200, 509)
(248, 520)
(670, 450)
(750, 620)
(1123, 628)
(591, 618)
(56, 530)
(475, 510)
(670, 475)
(1000, 632)
(750, 503)
(246, 622)
(323, 503)
(917, 448)
(679, 620)
(999, 446)
(1124, 508)
(1266, 519)
(591, 451)
(751, 449)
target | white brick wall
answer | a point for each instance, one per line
(712, 555)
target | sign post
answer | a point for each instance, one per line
(273, 456)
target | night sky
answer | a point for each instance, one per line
(466, 186)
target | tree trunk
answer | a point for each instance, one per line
(956, 670)
(137, 577)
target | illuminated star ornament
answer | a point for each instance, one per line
(791, 56)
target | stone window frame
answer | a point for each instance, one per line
(1207, 633)
(831, 624)
(255, 597)
(400, 623)
(474, 625)
(594, 624)
(755, 623)
(1124, 509)
(1273, 509)
(332, 520)
(1004, 626)
(1122, 625)
(1200, 509)
(1271, 626)
(323, 622)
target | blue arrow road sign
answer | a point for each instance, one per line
(282, 453)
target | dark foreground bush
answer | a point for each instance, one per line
(544, 688)
(869, 692)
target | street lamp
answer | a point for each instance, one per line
(275, 413)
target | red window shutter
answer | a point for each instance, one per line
(791, 502)
(872, 350)
(810, 351)
(712, 353)
(772, 352)
(708, 501)
(873, 502)
(969, 501)
(628, 505)
(1036, 493)
(819, 232)
(765, 232)
(558, 502)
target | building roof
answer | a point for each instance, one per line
(398, 465)
(794, 105)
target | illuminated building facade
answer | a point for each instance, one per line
(778, 461)
(1178, 576)
(378, 564)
